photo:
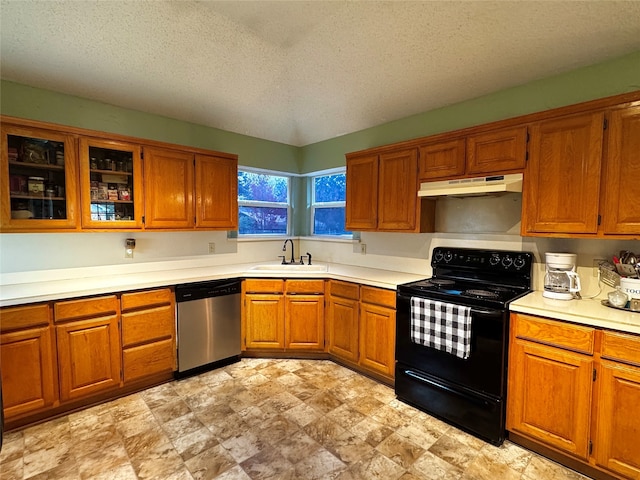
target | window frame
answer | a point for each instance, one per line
(259, 203)
(322, 205)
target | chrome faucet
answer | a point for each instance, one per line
(284, 249)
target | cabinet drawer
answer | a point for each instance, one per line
(558, 334)
(378, 296)
(148, 298)
(269, 285)
(304, 286)
(16, 318)
(148, 360)
(618, 346)
(90, 307)
(344, 289)
(147, 325)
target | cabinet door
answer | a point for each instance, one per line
(377, 338)
(111, 184)
(88, 356)
(621, 213)
(362, 193)
(342, 328)
(304, 322)
(618, 424)
(216, 192)
(168, 187)
(28, 362)
(497, 152)
(398, 190)
(549, 396)
(442, 160)
(562, 184)
(38, 180)
(264, 321)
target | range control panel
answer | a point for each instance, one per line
(483, 260)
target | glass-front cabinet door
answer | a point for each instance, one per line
(111, 179)
(39, 185)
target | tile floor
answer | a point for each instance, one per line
(263, 419)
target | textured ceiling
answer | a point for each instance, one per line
(302, 72)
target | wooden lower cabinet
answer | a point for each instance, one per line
(377, 330)
(148, 333)
(550, 395)
(304, 322)
(576, 389)
(89, 353)
(264, 315)
(342, 320)
(27, 360)
(284, 315)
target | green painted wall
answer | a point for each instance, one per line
(613, 77)
(37, 104)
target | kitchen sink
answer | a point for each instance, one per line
(289, 268)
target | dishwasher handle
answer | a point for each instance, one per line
(198, 291)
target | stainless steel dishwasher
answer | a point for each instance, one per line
(208, 325)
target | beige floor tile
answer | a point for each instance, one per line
(400, 449)
(263, 419)
(210, 463)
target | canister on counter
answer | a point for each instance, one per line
(36, 186)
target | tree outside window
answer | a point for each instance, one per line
(329, 193)
(263, 203)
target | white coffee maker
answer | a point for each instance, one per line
(561, 280)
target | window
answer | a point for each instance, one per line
(263, 203)
(327, 204)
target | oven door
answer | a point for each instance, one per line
(485, 369)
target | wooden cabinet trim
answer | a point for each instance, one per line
(254, 285)
(146, 298)
(555, 333)
(344, 289)
(83, 308)
(621, 347)
(620, 101)
(24, 316)
(378, 296)
(304, 286)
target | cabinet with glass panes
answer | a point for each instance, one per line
(39, 187)
(111, 184)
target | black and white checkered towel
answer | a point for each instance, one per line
(442, 326)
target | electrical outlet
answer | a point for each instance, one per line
(212, 247)
(363, 248)
(596, 265)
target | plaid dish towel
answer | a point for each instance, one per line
(442, 326)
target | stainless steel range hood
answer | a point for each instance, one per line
(472, 186)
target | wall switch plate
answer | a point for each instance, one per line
(212, 247)
(363, 248)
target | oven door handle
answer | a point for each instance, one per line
(482, 311)
(477, 397)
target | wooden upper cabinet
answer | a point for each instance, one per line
(110, 184)
(38, 183)
(168, 186)
(562, 184)
(398, 190)
(497, 151)
(442, 160)
(216, 192)
(621, 199)
(362, 193)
